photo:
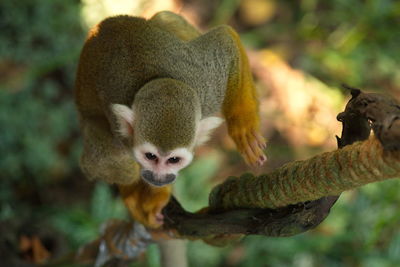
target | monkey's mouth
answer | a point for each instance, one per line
(157, 180)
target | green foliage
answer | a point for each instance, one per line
(80, 223)
(37, 31)
(191, 188)
(353, 42)
(153, 256)
(39, 46)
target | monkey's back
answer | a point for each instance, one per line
(106, 71)
(123, 53)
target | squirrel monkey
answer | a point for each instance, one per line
(147, 92)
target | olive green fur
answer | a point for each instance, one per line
(124, 53)
(170, 107)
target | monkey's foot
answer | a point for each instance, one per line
(120, 241)
(145, 202)
(150, 214)
(251, 145)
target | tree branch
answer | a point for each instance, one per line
(297, 196)
(327, 174)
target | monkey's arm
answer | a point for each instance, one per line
(240, 106)
(105, 158)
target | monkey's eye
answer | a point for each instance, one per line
(150, 156)
(174, 160)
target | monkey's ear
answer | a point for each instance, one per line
(125, 118)
(205, 127)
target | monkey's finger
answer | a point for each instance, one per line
(153, 221)
(248, 149)
(262, 160)
(154, 218)
(260, 139)
(243, 149)
(159, 218)
(257, 149)
(242, 144)
(249, 157)
(255, 145)
(262, 157)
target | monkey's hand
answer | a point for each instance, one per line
(240, 106)
(246, 134)
(145, 202)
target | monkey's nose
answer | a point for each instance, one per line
(169, 178)
(157, 180)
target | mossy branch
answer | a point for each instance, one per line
(324, 175)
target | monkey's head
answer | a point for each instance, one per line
(164, 125)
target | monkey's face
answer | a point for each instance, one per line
(161, 168)
(164, 125)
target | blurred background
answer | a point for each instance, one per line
(300, 53)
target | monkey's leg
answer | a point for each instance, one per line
(176, 25)
(240, 108)
(105, 158)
